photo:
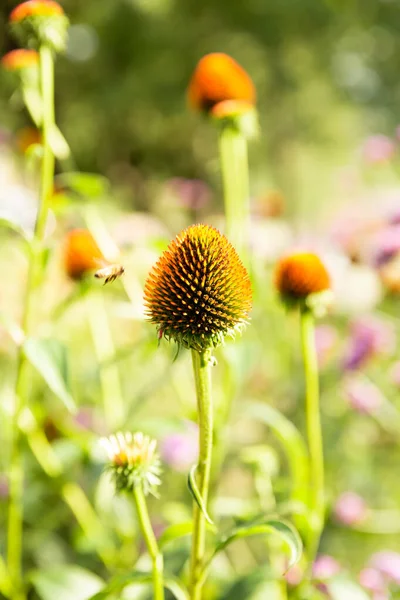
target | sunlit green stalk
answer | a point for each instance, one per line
(15, 514)
(110, 382)
(202, 375)
(151, 542)
(314, 434)
(235, 178)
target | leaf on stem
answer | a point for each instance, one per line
(58, 143)
(86, 185)
(194, 490)
(175, 532)
(49, 357)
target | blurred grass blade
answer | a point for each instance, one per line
(49, 357)
(175, 532)
(283, 529)
(194, 490)
(65, 582)
(58, 143)
(86, 185)
(118, 583)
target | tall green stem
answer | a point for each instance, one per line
(314, 433)
(202, 376)
(151, 542)
(235, 178)
(15, 514)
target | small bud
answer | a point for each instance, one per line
(133, 461)
(38, 22)
(20, 59)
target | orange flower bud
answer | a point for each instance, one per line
(20, 59)
(82, 254)
(231, 108)
(35, 8)
(219, 77)
(300, 274)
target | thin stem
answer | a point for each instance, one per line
(314, 433)
(202, 375)
(15, 513)
(151, 542)
(235, 177)
(110, 382)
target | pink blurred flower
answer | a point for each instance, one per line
(325, 567)
(369, 336)
(180, 450)
(191, 193)
(378, 148)
(325, 340)
(384, 245)
(362, 395)
(294, 575)
(372, 580)
(387, 563)
(350, 508)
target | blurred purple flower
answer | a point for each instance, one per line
(378, 148)
(387, 562)
(191, 193)
(369, 336)
(325, 339)
(350, 508)
(372, 580)
(362, 395)
(385, 244)
(180, 450)
(325, 567)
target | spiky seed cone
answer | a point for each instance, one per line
(82, 254)
(299, 275)
(219, 77)
(20, 59)
(198, 291)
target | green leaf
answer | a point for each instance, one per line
(194, 490)
(49, 357)
(284, 529)
(58, 143)
(66, 582)
(33, 102)
(87, 185)
(344, 589)
(175, 532)
(118, 583)
(292, 442)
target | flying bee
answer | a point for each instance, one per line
(110, 273)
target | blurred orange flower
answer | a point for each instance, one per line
(35, 8)
(20, 59)
(219, 77)
(82, 254)
(300, 274)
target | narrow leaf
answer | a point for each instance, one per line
(87, 185)
(33, 102)
(58, 143)
(175, 532)
(194, 490)
(49, 357)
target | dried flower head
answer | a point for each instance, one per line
(219, 77)
(198, 291)
(20, 59)
(301, 275)
(37, 22)
(133, 461)
(82, 254)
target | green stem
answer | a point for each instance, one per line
(15, 514)
(314, 434)
(202, 375)
(151, 542)
(110, 382)
(235, 177)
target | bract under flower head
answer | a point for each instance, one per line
(20, 59)
(82, 254)
(300, 276)
(219, 77)
(38, 22)
(133, 461)
(198, 291)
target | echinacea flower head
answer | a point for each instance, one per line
(82, 254)
(133, 461)
(219, 77)
(300, 276)
(20, 59)
(38, 22)
(199, 291)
